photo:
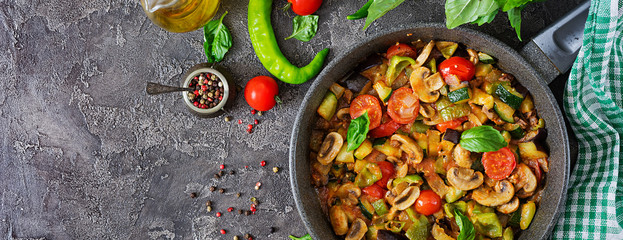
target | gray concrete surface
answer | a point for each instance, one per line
(86, 154)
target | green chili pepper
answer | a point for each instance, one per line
(394, 226)
(266, 48)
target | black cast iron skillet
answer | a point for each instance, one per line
(549, 54)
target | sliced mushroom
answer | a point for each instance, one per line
(523, 178)
(544, 164)
(402, 170)
(473, 56)
(330, 148)
(509, 207)
(439, 234)
(427, 110)
(348, 193)
(357, 230)
(436, 184)
(434, 82)
(464, 178)
(339, 220)
(421, 59)
(462, 156)
(419, 87)
(410, 147)
(491, 115)
(407, 198)
(501, 193)
(343, 114)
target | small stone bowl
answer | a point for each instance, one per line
(229, 92)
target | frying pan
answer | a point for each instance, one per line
(551, 53)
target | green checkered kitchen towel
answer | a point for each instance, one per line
(594, 105)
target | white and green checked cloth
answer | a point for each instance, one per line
(594, 105)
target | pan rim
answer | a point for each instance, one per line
(301, 119)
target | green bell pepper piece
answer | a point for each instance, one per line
(396, 65)
(369, 175)
(487, 224)
(379, 207)
(409, 179)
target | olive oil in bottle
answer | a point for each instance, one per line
(180, 15)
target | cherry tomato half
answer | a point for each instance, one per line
(458, 66)
(385, 129)
(260, 93)
(499, 164)
(452, 124)
(401, 49)
(403, 106)
(305, 7)
(367, 103)
(428, 202)
(387, 169)
(374, 192)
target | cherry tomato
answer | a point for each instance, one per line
(428, 202)
(458, 66)
(385, 129)
(374, 192)
(305, 7)
(499, 164)
(442, 127)
(401, 49)
(403, 106)
(260, 93)
(387, 169)
(367, 103)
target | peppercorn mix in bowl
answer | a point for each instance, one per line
(438, 143)
(211, 91)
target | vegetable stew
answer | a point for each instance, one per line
(439, 144)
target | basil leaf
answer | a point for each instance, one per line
(482, 139)
(306, 237)
(466, 228)
(357, 131)
(217, 40)
(510, 4)
(361, 13)
(459, 12)
(378, 8)
(514, 16)
(304, 27)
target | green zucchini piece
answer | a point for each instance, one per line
(506, 112)
(507, 136)
(454, 194)
(515, 130)
(514, 219)
(328, 106)
(447, 49)
(460, 95)
(383, 90)
(420, 127)
(490, 87)
(432, 64)
(483, 69)
(485, 58)
(509, 95)
(366, 208)
(411, 179)
(337, 90)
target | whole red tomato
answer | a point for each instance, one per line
(260, 93)
(428, 202)
(401, 49)
(459, 67)
(305, 7)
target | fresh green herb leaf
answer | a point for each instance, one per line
(510, 4)
(306, 237)
(361, 13)
(357, 131)
(482, 139)
(378, 8)
(304, 27)
(514, 16)
(466, 228)
(217, 40)
(459, 12)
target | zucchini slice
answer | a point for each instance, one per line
(506, 112)
(485, 58)
(460, 95)
(515, 130)
(482, 69)
(328, 106)
(383, 90)
(509, 95)
(366, 208)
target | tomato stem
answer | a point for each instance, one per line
(286, 7)
(278, 100)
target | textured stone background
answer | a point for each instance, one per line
(86, 154)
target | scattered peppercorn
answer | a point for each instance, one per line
(212, 189)
(240, 211)
(209, 208)
(236, 238)
(209, 203)
(247, 236)
(247, 213)
(263, 163)
(231, 172)
(239, 121)
(259, 113)
(230, 209)
(272, 230)
(227, 119)
(238, 194)
(275, 169)
(193, 195)
(220, 190)
(222, 166)
(218, 214)
(253, 111)
(223, 231)
(217, 176)
(221, 173)
(256, 122)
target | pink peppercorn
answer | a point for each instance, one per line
(253, 111)
(263, 163)
(256, 122)
(223, 231)
(218, 214)
(239, 121)
(230, 209)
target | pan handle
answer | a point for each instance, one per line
(554, 49)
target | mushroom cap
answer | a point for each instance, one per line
(357, 230)
(462, 156)
(509, 207)
(407, 198)
(339, 220)
(409, 146)
(523, 178)
(464, 178)
(330, 148)
(501, 193)
(420, 85)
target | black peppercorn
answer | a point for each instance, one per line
(231, 172)
(212, 189)
(193, 195)
(220, 190)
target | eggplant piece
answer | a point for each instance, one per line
(369, 62)
(535, 136)
(389, 235)
(452, 136)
